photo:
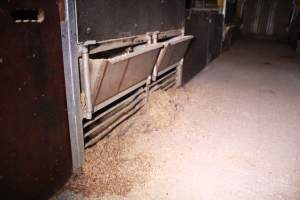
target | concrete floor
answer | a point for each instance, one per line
(237, 135)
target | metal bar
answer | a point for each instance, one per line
(119, 43)
(160, 57)
(113, 108)
(147, 89)
(168, 81)
(162, 82)
(168, 69)
(207, 9)
(145, 49)
(224, 8)
(179, 74)
(161, 79)
(109, 129)
(71, 70)
(87, 83)
(110, 120)
(168, 34)
(133, 40)
(170, 85)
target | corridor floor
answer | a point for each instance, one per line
(234, 134)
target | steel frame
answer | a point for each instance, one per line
(72, 51)
(71, 70)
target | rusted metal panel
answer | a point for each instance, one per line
(112, 76)
(139, 68)
(128, 18)
(110, 81)
(35, 147)
(173, 52)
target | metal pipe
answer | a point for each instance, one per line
(154, 77)
(148, 84)
(224, 8)
(87, 84)
(179, 74)
(155, 37)
(149, 38)
(159, 60)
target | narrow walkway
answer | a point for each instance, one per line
(239, 136)
(236, 133)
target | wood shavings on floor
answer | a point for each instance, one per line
(112, 166)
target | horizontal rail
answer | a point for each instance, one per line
(112, 126)
(113, 108)
(103, 125)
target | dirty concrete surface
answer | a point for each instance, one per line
(233, 132)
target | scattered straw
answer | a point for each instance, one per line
(111, 167)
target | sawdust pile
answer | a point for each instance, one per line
(163, 108)
(112, 167)
(108, 170)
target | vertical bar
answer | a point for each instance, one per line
(224, 8)
(87, 83)
(179, 74)
(71, 70)
(224, 25)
